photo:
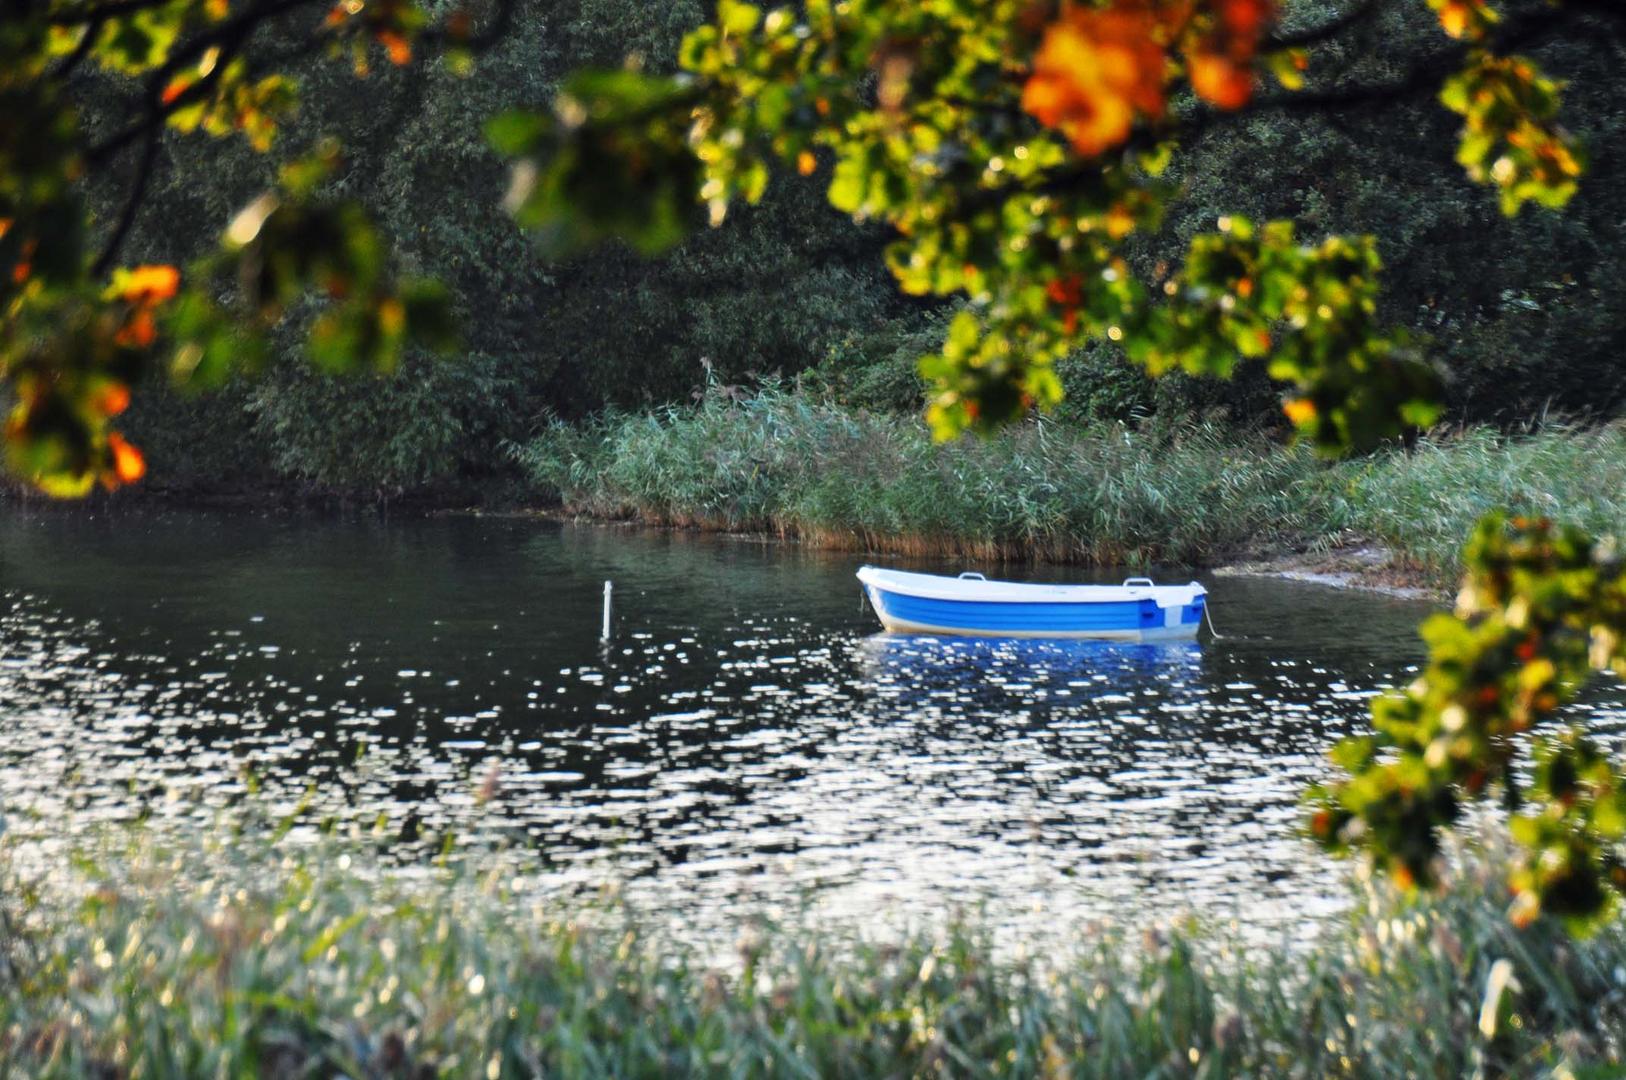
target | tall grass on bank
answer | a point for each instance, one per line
(791, 465)
(783, 463)
(256, 958)
(1423, 504)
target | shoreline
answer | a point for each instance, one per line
(1362, 565)
(1367, 567)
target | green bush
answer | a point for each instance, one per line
(381, 438)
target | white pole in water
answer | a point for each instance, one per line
(606, 632)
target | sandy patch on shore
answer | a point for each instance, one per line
(1371, 567)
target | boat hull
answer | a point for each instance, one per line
(925, 604)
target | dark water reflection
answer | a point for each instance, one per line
(746, 738)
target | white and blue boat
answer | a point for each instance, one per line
(971, 605)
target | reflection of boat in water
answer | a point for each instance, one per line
(942, 671)
(970, 605)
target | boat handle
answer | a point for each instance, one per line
(971, 575)
(1139, 581)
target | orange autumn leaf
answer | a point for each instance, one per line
(1220, 80)
(1065, 291)
(1464, 19)
(1220, 62)
(392, 317)
(1299, 410)
(128, 463)
(177, 86)
(1096, 70)
(139, 332)
(1120, 221)
(25, 260)
(1454, 18)
(806, 162)
(1245, 18)
(398, 47)
(113, 399)
(146, 285)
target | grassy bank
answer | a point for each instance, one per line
(250, 957)
(1423, 504)
(1110, 495)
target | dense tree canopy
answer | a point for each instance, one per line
(790, 283)
(1020, 150)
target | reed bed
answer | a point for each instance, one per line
(1191, 494)
(1424, 503)
(258, 956)
(785, 464)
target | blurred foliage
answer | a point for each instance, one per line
(78, 329)
(1541, 607)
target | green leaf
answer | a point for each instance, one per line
(517, 131)
(737, 18)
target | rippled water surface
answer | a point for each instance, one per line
(746, 737)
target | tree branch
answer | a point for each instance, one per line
(495, 30)
(230, 36)
(132, 203)
(99, 13)
(87, 41)
(1424, 77)
(1326, 31)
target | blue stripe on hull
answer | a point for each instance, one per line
(996, 617)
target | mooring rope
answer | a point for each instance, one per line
(1208, 618)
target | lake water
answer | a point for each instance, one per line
(747, 739)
